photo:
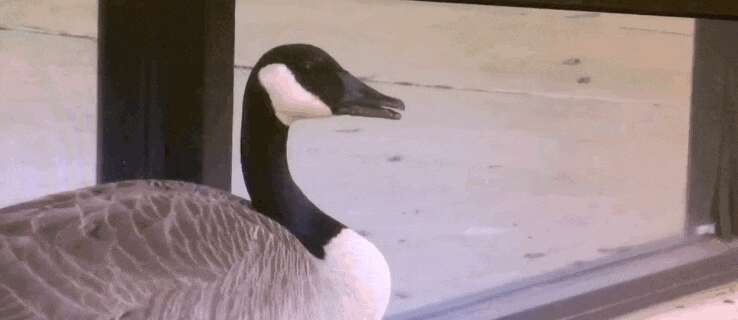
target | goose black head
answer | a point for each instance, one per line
(302, 81)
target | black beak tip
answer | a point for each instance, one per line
(362, 100)
(396, 116)
(397, 104)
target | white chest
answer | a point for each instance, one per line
(360, 275)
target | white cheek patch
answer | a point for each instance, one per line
(290, 100)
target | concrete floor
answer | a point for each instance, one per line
(533, 139)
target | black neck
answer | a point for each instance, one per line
(273, 191)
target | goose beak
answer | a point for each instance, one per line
(362, 100)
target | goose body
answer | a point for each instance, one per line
(157, 249)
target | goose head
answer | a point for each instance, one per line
(301, 81)
(290, 83)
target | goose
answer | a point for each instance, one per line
(162, 249)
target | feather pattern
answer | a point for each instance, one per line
(152, 249)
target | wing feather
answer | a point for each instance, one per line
(146, 249)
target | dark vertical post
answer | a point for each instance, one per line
(713, 155)
(165, 90)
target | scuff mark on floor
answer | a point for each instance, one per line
(584, 80)
(615, 250)
(657, 31)
(36, 30)
(583, 15)
(402, 295)
(243, 67)
(535, 255)
(572, 61)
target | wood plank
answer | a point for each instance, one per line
(679, 8)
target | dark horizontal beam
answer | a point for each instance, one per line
(715, 9)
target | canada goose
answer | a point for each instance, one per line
(154, 249)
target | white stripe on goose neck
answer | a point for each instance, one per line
(290, 100)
